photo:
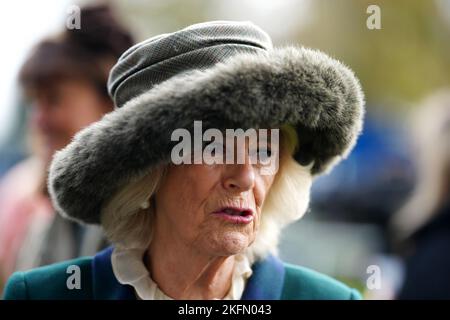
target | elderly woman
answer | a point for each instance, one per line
(192, 226)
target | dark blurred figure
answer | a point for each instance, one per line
(64, 78)
(374, 181)
(423, 224)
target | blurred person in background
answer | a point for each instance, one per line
(64, 78)
(423, 224)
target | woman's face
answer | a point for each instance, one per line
(215, 209)
(61, 109)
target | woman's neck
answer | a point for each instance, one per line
(182, 272)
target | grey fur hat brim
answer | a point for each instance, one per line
(305, 88)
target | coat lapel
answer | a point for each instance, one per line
(105, 284)
(267, 280)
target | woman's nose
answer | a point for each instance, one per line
(40, 117)
(239, 177)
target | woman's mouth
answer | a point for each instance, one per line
(235, 215)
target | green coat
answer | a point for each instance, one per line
(271, 280)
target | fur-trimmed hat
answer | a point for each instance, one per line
(226, 74)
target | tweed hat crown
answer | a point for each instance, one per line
(199, 46)
(226, 74)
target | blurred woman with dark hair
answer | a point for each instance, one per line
(64, 79)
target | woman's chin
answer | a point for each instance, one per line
(231, 243)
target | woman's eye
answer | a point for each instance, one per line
(260, 156)
(268, 152)
(213, 148)
(264, 154)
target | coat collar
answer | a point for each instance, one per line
(105, 284)
(266, 282)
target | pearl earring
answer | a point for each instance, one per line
(145, 204)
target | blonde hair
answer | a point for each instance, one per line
(128, 225)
